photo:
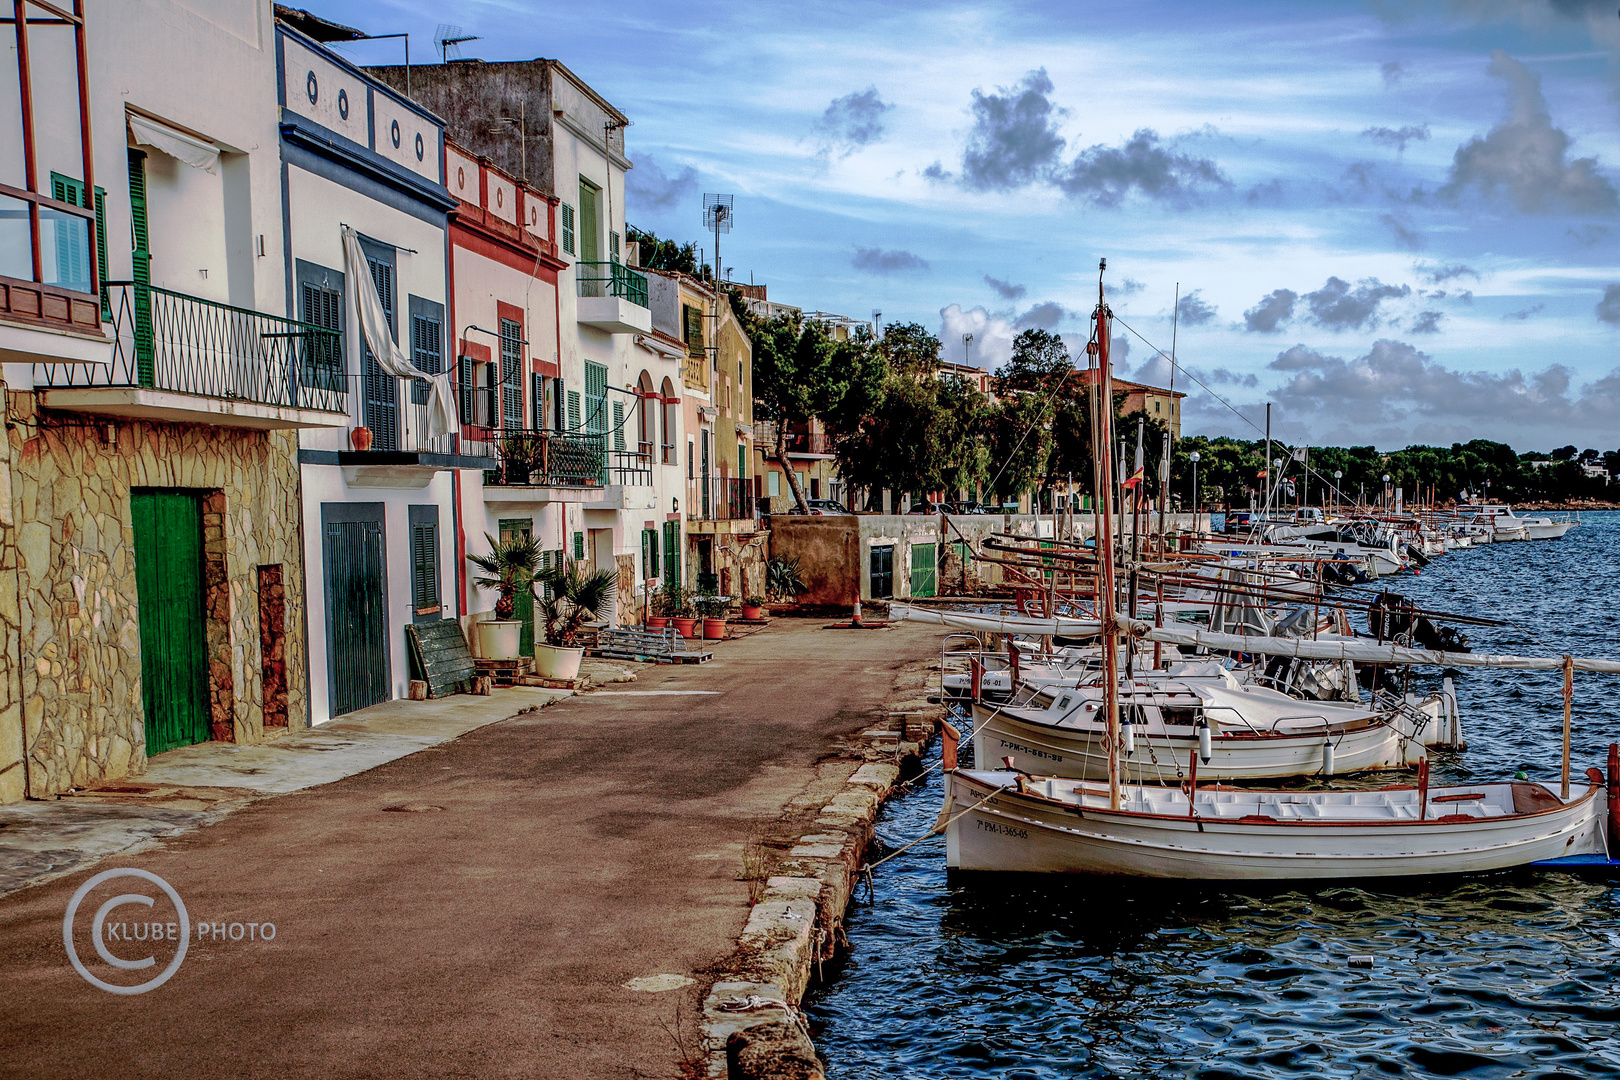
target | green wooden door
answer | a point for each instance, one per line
(923, 575)
(522, 529)
(169, 589)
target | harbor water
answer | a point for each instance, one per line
(1509, 974)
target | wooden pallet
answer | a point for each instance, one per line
(664, 646)
(506, 672)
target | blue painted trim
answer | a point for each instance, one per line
(281, 73)
(315, 141)
(371, 120)
(283, 30)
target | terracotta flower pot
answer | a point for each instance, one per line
(685, 626)
(714, 629)
(360, 438)
(656, 622)
(750, 611)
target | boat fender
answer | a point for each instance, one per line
(1128, 730)
(1327, 757)
(1205, 748)
(949, 739)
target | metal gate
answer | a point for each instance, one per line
(923, 570)
(169, 589)
(356, 605)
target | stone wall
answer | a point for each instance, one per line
(68, 598)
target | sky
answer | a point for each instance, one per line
(1397, 221)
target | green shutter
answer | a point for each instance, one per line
(618, 425)
(573, 410)
(141, 266)
(672, 553)
(579, 545)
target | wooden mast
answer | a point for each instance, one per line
(1104, 463)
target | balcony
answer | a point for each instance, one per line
(810, 444)
(535, 465)
(720, 504)
(402, 454)
(182, 359)
(612, 297)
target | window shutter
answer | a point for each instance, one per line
(568, 228)
(101, 252)
(573, 410)
(511, 374)
(467, 379)
(537, 393)
(618, 425)
(140, 266)
(579, 545)
(426, 344)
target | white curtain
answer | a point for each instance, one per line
(441, 406)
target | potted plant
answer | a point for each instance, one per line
(508, 567)
(576, 595)
(751, 606)
(678, 609)
(712, 609)
(657, 618)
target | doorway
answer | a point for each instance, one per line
(355, 558)
(173, 617)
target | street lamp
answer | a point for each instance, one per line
(1386, 491)
(1193, 457)
(1338, 474)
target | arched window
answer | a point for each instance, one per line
(670, 404)
(645, 423)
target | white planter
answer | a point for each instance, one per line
(551, 662)
(501, 639)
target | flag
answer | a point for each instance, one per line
(1135, 480)
(1262, 474)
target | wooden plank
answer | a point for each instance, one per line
(439, 656)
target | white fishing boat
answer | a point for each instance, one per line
(1238, 732)
(1545, 528)
(1006, 821)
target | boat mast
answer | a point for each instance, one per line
(1103, 462)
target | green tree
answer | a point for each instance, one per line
(656, 254)
(910, 349)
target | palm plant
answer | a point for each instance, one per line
(576, 595)
(782, 579)
(509, 566)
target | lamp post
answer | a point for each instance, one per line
(1193, 457)
(1386, 491)
(1338, 474)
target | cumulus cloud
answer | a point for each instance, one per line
(1193, 311)
(1396, 384)
(1397, 137)
(1435, 274)
(1427, 322)
(992, 335)
(1392, 70)
(1014, 139)
(878, 261)
(1406, 236)
(1525, 158)
(1005, 289)
(855, 120)
(1126, 287)
(937, 173)
(1608, 309)
(1107, 174)
(1278, 307)
(1521, 316)
(649, 186)
(1042, 316)
(1339, 306)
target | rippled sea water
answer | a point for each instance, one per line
(1512, 974)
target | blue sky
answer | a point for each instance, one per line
(1396, 221)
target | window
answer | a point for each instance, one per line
(596, 398)
(568, 228)
(672, 553)
(669, 406)
(613, 246)
(381, 389)
(511, 375)
(579, 545)
(320, 303)
(573, 410)
(692, 329)
(590, 221)
(649, 553)
(618, 425)
(424, 523)
(72, 258)
(537, 398)
(882, 571)
(427, 343)
(775, 483)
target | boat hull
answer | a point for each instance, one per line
(1011, 832)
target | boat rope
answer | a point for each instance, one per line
(939, 827)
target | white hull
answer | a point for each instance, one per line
(1010, 831)
(1551, 530)
(1077, 752)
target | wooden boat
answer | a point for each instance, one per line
(1008, 821)
(1241, 732)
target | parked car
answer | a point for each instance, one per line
(820, 507)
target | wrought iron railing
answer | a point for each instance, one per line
(720, 498)
(166, 340)
(630, 467)
(543, 457)
(611, 279)
(797, 442)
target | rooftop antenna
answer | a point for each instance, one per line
(717, 216)
(449, 39)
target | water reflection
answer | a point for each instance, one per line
(1504, 975)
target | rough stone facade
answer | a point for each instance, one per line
(71, 710)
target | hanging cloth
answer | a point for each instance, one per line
(441, 405)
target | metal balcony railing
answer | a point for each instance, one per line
(611, 279)
(797, 442)
(166, 340)
(720, 498)
(630, 468)
(543, 457)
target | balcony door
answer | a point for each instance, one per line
(380, 408)
(590, 221)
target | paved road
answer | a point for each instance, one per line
(471, 910)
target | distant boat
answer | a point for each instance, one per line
(1006, 821)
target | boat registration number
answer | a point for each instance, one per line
(1004, 830)
(1042, 754)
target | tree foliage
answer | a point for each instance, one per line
(668, 255)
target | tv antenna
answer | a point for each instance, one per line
(449, 39)
(717, 215)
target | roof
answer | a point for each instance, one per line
(315, 27)
(1088, 375)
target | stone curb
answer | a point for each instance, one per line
(751, 1027)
